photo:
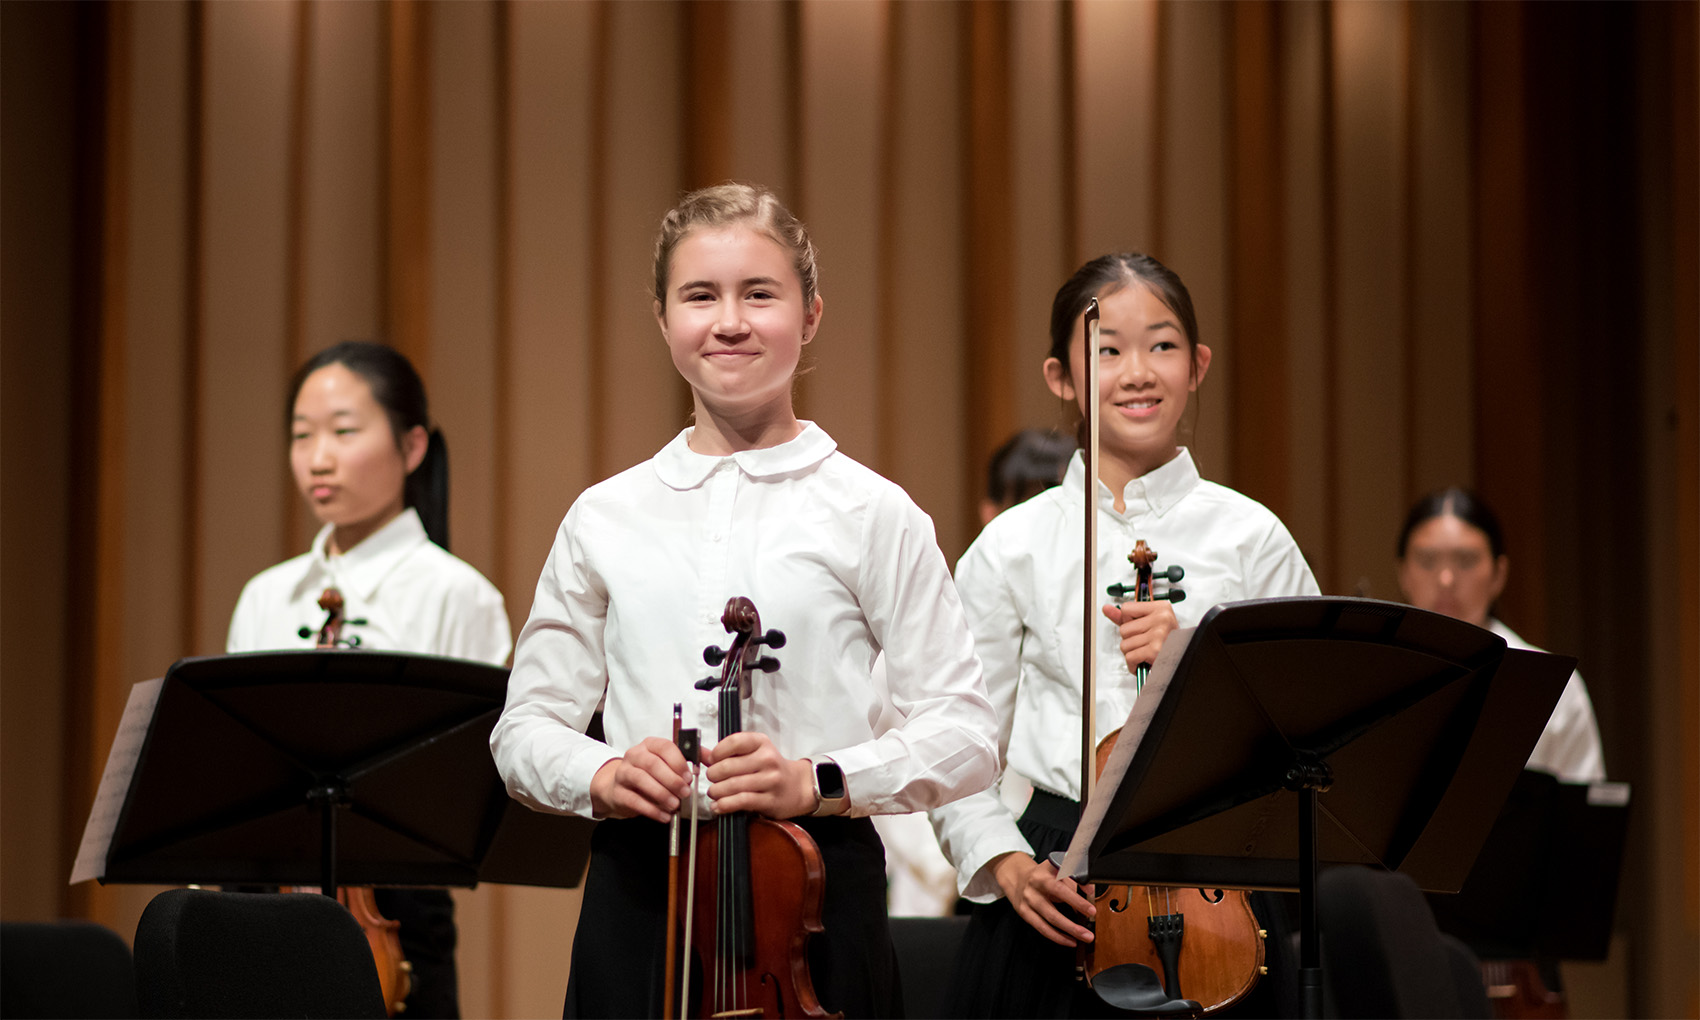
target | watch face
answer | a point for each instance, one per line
(830, 779)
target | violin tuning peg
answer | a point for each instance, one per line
(1117, 591)
(767, 664)
(708, 683)
(1174, 573)
(713, 656)
(773, 639)
(1175, 595)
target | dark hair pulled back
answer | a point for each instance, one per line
(397, 388)
(1027, 464)
(1116, 270)
(1454, 502)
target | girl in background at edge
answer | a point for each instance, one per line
(1452, 560)
(749, 501)
(1020, 584)
(376, 474)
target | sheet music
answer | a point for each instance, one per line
(115, 781)
(1121, 756)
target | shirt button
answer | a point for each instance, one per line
(715, 537)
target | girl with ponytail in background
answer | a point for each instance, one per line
(375, 472)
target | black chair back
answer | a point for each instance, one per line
(926, 957)
(223, 954)
(1383, 955)
(65, 969)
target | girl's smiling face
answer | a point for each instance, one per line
(346, 458)
(1146, 374)
(735, 322)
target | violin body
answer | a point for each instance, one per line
(395, 974)
(770, 976)
(1218, 956)
(1516, 992)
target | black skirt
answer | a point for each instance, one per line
(619, 948)
(1006, 969)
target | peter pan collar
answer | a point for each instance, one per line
(1157, 491)
(360, 570)
(680, 467)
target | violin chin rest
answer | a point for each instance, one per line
(1137, 988)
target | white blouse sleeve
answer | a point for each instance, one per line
(475, 624)
(558, 678)
(1570, 746)
(944, 747)
(1277, 568)
(978, 828)
(245, 628)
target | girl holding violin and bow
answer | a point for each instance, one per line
(749, 501)
(1021, 585)
(374, 471)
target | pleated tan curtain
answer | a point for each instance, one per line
(1370, 202)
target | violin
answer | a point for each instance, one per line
(1208, 947)
(751, 941)
(1516, 991)
(395, 973)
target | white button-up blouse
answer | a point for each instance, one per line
(412, 595)
(833, 555)
(1021, 586)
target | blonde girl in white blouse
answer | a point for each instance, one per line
(748, 501)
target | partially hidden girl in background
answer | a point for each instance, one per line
(748, 501)
(374, 471)
(1021, 584)
(1452, 560)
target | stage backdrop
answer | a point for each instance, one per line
(1431, 243)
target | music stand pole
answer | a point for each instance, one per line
(328, 797)
(1308, 777)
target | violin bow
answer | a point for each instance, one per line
(1089, 664)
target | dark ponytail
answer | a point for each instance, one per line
(427, 489)
(398, 390)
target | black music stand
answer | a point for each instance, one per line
(1400, 730)
(322, 767)
(1549, 835)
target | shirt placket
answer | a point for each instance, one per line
(722, 491)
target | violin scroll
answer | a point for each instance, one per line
(330, 633)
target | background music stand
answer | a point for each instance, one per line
(328, 767)
(1293, 732)
(1548, 835)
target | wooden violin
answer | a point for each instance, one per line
(395, 973)
(750, 955)
(1207, 947)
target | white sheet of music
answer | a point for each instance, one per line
(115, 781)
(1121, 756)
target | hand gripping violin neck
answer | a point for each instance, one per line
(751, 938)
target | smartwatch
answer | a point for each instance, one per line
(831, 796)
